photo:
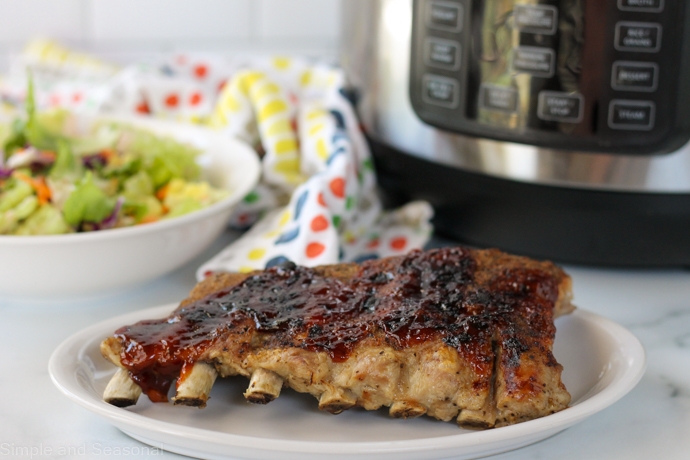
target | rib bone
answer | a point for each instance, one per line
(194, 390)
(335, 400)
(406, 409)
(121, 390)
(264, 387)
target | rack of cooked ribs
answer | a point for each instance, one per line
(450, 333)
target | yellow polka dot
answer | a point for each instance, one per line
(218, 120)
(232, 104)
(289, 166)
(248, 80)
(246, 269)
(294, 178)
(272, 234)
(257, 254)
(286, 146)
(321, 149)
(315, 129)
(279, 127)
(306, 78)
(272, 108)
(284, 218)
(265, 90)
(315, 114)
(281, 63)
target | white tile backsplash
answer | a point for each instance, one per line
(21, 20)
(169, 19)
(298, 18)
(127, 29)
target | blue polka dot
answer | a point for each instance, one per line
(277, 261)
(339, 151)
(350, 94)
(365, 257)
(300, 203)
(339, 119)
(167, 70)
(288, 236)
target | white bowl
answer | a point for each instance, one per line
(60, 266)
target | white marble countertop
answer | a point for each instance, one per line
(652, 422)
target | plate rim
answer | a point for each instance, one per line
(60, 372)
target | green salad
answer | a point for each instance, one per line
(54, 179)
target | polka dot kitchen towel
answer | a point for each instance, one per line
(316, 203)
(316, 154)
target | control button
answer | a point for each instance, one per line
(444, 54)
(632, 115)
(539, 62)
(499, 98)
(635, 76)
(536, 19)
(563, 107)
(440, 91)
(644, 37)
(445, 16)
(649, 6)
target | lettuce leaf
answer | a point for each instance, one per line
(9, 220)
(47, 220)
(87, 203)
(66, 165)
(139, 185)
(141, 202)
(164, 158)
(15, 138)
(14, 194)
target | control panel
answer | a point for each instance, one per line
(607, 76)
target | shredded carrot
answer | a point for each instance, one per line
(148, 220)
(39, 185)
(49, 154)
(108, 153)
(162, 192)
(165, 209)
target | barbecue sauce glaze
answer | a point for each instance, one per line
(402, 301)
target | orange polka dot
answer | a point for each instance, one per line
(399, 243)
(172, 100)
(320, 199)
(195, 99)
(181, 59)
(315, 250)
(54, 99)
(319, 223)
(143, 107)
(338, 187)
(76, 97)
(373, 244)
(200, 71)
(221, 85)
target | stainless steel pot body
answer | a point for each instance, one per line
(376, 55)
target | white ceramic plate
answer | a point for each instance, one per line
(602, 362)
(82, 264)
